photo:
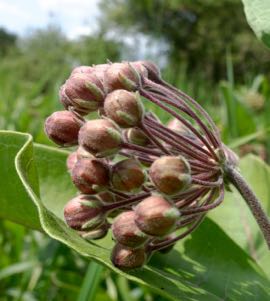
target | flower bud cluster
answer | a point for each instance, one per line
(145, 181)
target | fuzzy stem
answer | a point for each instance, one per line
(254, 204)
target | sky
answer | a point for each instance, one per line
(20, 16)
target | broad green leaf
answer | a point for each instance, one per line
(208, 265)
(235, 217)
(258, 17)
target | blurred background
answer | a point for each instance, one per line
(204, 47)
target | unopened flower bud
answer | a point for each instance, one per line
(97, 233)
(84, 212)
(82, 69)
(71, 161)
(123, 107)
(177, 126)
(170, 175)
(83, 153)
(122, 76)
(67, 103)
(100, 137)
(84, 91)
(62, 127)
(127, 175)
(136, 136)
(126, 232)
(152, 69)
(90, 175)
(126, 258)
(156, 216)
(106, 197)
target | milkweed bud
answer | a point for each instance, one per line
(170, 175)
(127, 175)
(126, 232)
(136, 136)
(122, 76)
(156, 216)
(100, 137)
(83, 153)
(97, 233)
(123, 107)
(152, 69)
(177, 126)
(89, 175)
(106, 197)
(84, 212)
(126, 258)
(82, 69)
(71, 161)
(84, 91)
(62, 127)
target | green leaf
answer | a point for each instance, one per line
(90, 282)
(235, 217)
(208, 265)
(258, 17)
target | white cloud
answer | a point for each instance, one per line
(79, 31)
(75, 17)
(71, 7)
(12, 10)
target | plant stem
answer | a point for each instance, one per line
(254, 204)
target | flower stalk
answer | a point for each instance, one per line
(251, 200)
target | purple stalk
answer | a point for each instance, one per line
(126, 202)
(180, 118)
(181, 147)
(162, 245)
(197, 106)
(176, 135)
(185, 109)
(206, 207)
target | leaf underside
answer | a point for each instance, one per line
(258, 17)
(211, 264)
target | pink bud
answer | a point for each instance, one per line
(123, 107)
(170, 175)
(90, 175)
(156, 216)
(82, 69)
(126, 232)
(127, 175)
(84, 91)
(62, 127)
(126, 258)
(122, 76)
(100, 137)
(84, 212)
(71, 161)
(136, 136)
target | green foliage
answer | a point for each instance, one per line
(196, 33)
(7, 42)
(206, 266)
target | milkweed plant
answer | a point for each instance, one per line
(150, 183)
